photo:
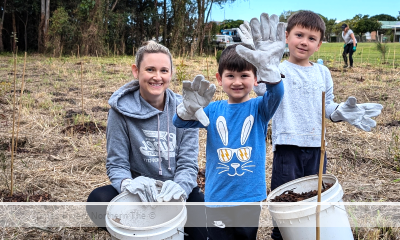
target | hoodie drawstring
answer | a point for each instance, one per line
(159, 151)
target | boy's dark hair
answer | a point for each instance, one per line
(231, 61)
(307, 19)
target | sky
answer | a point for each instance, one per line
(339, 9)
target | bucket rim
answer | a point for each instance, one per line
(123, 194)
(271, 194)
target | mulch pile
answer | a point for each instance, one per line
(87, 127)
(290, 196)
(22, 197)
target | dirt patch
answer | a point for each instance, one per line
(290, 196)
(71, 114)
(100, 109)
(393, 123)
(104, 95)
(61, 99)
(5, 143)
(22, 197)
(88, 127)
(58, 94)
(60, 80)
(26, 91)
(73, 89)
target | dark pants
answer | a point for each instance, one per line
(348, 50)
(230, 223)
(292, 162)
(195, 214)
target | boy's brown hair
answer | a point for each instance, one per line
(307, 19)
(231, 61)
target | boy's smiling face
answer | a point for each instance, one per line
(302, 43)
(237, 85)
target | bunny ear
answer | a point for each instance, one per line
(246, 129)
(222, 129)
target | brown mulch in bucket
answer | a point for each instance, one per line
(290, 196)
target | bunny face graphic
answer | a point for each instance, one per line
(235, 162)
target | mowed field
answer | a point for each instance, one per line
(61, 151)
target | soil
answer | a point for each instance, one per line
(290, 196)
(23, 197)
(87, 127)
(394, 123)
(201, 178)
(100, 109)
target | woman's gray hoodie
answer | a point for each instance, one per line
(142, 141)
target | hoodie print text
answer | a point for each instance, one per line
(152, 145)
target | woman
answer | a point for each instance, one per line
(350, 44)
(143, 145)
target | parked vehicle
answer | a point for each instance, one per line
(222, 41)
(233, 33)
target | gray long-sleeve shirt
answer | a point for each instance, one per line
(297, 121)
(142, 141)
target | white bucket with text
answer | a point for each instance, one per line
(298, 221)
(137, 222)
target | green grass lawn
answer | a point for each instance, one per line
(366, 53)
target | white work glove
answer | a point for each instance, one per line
(170, 190)
(244, 32)
(144, 187)
(358, 115)
(196, 96)
(269, 41)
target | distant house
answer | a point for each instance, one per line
(395, 25)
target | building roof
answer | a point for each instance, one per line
(390, 24)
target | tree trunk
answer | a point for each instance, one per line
(1, 27)
(46, 21)
(165, 24)
(156, 19)
(41, 26)
(14, 32)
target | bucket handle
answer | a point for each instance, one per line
(185, 234)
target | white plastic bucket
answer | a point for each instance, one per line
(137, 222)
(298, 222)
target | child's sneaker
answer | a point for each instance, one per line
(346, 66)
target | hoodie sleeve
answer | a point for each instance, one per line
(186, 160)
(118, 167)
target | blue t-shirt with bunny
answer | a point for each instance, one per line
(236, 149)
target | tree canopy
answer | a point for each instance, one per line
(383, 17)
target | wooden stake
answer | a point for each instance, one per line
(361, 54)
(83, 118)
(394, 57)
(78, 53)
(12, 139)
(208, 76)
(20, 103)
(321, 165)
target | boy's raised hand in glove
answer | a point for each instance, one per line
(169, 190)
(244, 32)
(358, 115)
(196, 96)
(144, 187)
(269, 41)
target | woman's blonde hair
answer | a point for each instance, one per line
(151, 47)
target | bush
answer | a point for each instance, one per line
(218, 55)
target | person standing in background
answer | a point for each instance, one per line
(350, 44)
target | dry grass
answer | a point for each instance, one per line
(70, 165)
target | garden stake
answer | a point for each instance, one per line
(20, 103)
(83, 116)
(321, 164)
(394, 57)
(12, 139)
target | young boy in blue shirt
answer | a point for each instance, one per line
(236, 132)
(296, 125)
